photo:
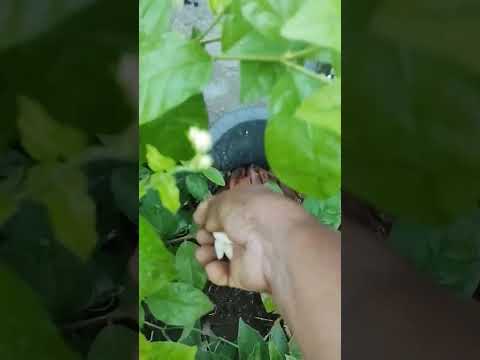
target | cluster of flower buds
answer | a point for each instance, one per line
(202, 144)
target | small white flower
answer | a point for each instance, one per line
(223, 245)
(200, 139)
(205, 162)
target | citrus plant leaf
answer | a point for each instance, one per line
(179, 304)
(247, 340)
(157, 161)
(214, 175)
(64, 192)
(197, 186)
(156, 262)
(166, 186)
(165, 350)
(37, 129)
(188, 268)
(317, 22)
(171, 71)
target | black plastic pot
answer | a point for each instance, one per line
(238, 139)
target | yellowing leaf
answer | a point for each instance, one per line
(167, 189)
(71, 211)
(158, 162)
(44, 138)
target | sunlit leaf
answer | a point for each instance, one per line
(165, 350)
(167, 189)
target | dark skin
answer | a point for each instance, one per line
(389, 312)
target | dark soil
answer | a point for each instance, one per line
(233, 304)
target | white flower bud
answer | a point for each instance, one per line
(205, 162)
(223, 245)
(200, 139)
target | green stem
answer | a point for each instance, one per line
(209, 41)
(212, 25)
(304, 71)
(302, 53)
(162, 329)
(259, 58)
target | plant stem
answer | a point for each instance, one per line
(212, 25)
(302, 53)
(180, 239)
(304, 71)
(209, 41)
(193, 329)
(260, 58)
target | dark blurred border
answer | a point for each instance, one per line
(68, 179)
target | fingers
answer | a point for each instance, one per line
(218, 272)
(208, 214)
(204, 237)
(205, 254)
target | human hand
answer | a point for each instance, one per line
(256, 220)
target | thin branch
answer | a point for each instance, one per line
(305, 71)
(162, 329)
(212, 26)
(302, 53)
(209, 41)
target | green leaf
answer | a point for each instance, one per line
(278, 338)
(248, 338)
(165, 350)
(141, 316)
(273, 352)
(257, 354)
(156, 262)
(268, 16)
(165, 223)
(197, 186)
(323, 108)
(188, 268)
(317, 22)
(154, 19)
(268, 303)
(114, 342)
(38, 129)
(179, 304)
(166, 186)
(71, 211)
(257, 79)
(170, 72)
(290, 141)
(215, 176)
(219, 6)
(327, 212)
(21, 306)
(158, 162)
(27, 18)
(174, 125)
(124, 188)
